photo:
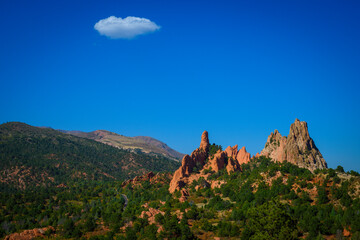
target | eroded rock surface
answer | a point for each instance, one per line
(196, 160)
(29, 234)
(199, 160)
(243, 156)
(298, 148)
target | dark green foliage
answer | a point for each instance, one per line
(227, 229)
(69, 230)
(354, 173)
(340, 169)
(159, 218)
(270, 221)
(206, 225)
(331, 172)
(322, 195)
(186, 233)
(89, 224)
(218, 203)
(213, 149)
(130, 234)
(193, 213)
(150, 232)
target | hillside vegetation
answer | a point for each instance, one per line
(31, 156)
(266, 200)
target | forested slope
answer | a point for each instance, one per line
(31, 156)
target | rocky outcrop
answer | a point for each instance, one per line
(239, 157)
(184, 195)
(217, 184)
(205, 144)
(139, 179)
(232, 152)
(150, 177)
(298, 148)
(37, 233)
(150, 214)
(196, 159)
(217, 162)
(231, 159)
(232, 166)
(275, 147)
(243, 156)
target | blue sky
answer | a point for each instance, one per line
(239, 69)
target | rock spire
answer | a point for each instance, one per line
(298, 148)
(196, 160)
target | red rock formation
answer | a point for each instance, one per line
(217, 162)
(243, 156)
(231, 158)
(204, 144)
(159, 177)
(150, 215)
(232, 164)
(196, 159)
(231, 152)
(217, 184)
(256, 155)
(298, 148)
(29, 234)
(184, 195)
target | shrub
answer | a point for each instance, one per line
(339, 169)
(218, 203)
(270, 221)
(331, 172)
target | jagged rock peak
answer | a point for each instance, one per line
(298, 148)
(204, 144)
(231, 152)
(230, 159)
(300, 134)
(243, 156)
(196, 159)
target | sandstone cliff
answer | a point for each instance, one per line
(298, 148)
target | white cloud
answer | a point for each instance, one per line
(128, 27)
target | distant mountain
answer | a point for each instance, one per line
(32, 156)
(145, 144)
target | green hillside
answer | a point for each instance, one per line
(265, 201)
(31, 156)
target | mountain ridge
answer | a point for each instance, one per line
(144, 143)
